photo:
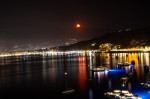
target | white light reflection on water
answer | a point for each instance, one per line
(50, 69)
(109, 85)
(90, 94)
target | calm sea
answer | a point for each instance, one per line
(42, 76)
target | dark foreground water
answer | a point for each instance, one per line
(42, 76)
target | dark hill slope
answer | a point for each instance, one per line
(127, 38)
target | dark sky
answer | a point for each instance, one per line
(43, 23)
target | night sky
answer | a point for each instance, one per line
(46, 23)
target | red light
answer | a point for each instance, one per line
(78, 26)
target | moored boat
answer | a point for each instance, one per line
(121, 94)
(146, 84)
(124, 64)
(98, 69)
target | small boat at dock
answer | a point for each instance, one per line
(124, 78)
(146, 84)
(121, 94)
(124, 64)
(99, 69)
(68, 91)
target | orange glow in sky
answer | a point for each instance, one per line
(78, 26)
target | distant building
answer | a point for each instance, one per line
(105, 47)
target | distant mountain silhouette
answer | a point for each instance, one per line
(126, 38)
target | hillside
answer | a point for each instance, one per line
(126, 38)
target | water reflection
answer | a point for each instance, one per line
(47, 71)
(82, 73)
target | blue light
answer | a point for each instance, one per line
(116, 70)
(144, 94)
(132, 65)
(106, 70)
(123, 85)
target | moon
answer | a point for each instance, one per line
(78, 25)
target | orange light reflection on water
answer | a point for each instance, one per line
(82, 73)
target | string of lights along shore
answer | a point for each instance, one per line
(74, 49)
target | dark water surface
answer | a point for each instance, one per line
(42, 76)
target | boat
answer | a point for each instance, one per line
(99, 69)
(124, 81)
(124, 78)
(146, 84)
(68, 91)
(121, 94)
(124, 64)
